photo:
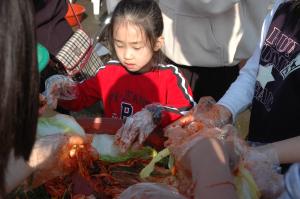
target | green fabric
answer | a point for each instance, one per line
(145, 153)
(42, 56)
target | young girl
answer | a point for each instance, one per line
(136, 80)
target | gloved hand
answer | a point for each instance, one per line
(59, 87)
(204, 159)
(263, 163)
(181, 141)
(206, 112)
(211, 114)
(138, 127)
(52, 156)
(151, 191)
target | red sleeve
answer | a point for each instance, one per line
(179, 98)
(88, 93)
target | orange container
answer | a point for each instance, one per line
(79, 11)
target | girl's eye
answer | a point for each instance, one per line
(118, 46)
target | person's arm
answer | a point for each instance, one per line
(87, 94)
(240, 94)
(209, 164)
(44, 157)
(287, 151)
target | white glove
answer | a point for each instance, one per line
(139, 127)
(59, 87)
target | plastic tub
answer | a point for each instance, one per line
(79, 11)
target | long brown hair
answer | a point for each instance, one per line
(19, 82)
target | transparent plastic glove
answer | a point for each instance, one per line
(52, 156)
(202, 153)
(180, 141)
(210, 113)
(234, 145)
(205, 114)
(151, 191)
(135, 130)
(263, 164)
(59, 87)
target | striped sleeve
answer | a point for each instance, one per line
(179, 99)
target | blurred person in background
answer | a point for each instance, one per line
(52, 31)
(210, 40)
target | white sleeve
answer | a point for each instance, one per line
(292, 183)
(240, 94)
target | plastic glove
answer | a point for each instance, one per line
(207, 113)
(59, 87)
(210, 150)
(210, 113)
(52, 156)
(138, 127)
(263, 164)
(151, 191)
(181, 140)
(202, 161)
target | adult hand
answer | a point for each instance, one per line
(53, 156)
(209, 164)
(207, 159)
(135, 130)
(59, 87)
(206, 112)
(181, 141)
(263, 163)
(211, 114)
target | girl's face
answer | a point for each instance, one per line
(132, 48)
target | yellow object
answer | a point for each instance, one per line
(245, 184)
(146, 172)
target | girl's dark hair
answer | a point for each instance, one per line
(19, 82)
(145, 14)
(292, 22)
